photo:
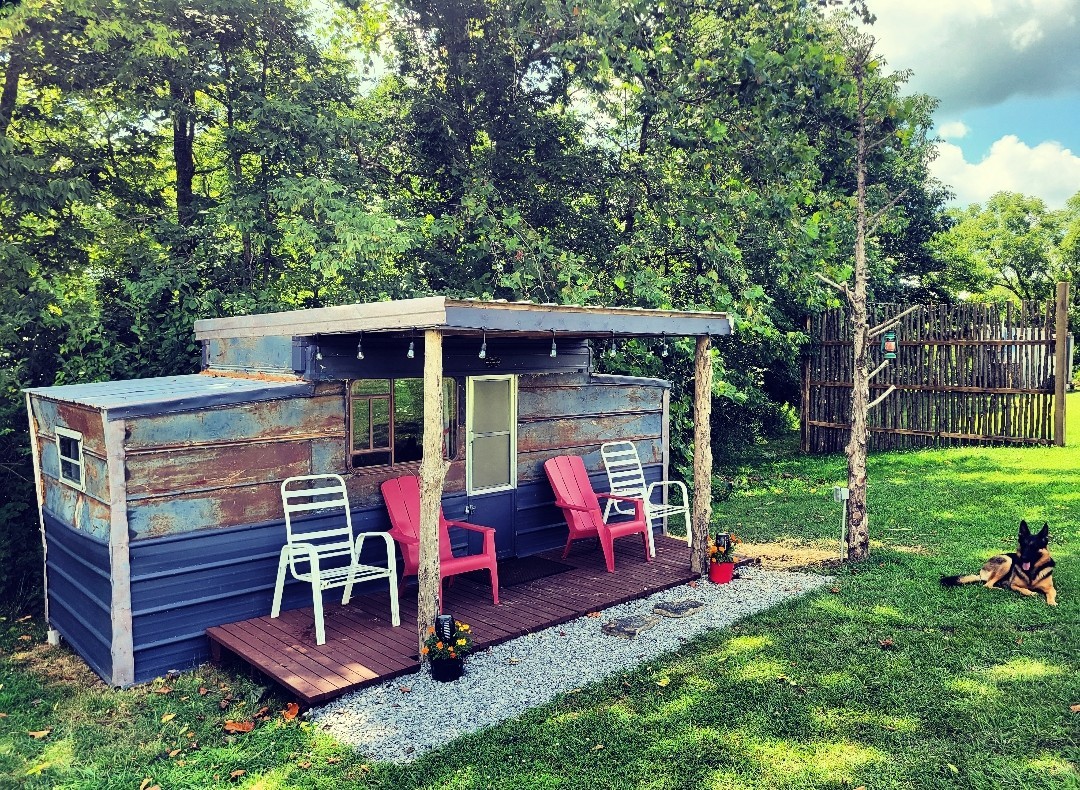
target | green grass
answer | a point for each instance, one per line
(972, 689)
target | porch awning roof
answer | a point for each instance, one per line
(468, 316)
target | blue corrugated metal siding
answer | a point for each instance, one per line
(183, 584)
(80, 592)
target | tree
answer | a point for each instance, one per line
(878, 126)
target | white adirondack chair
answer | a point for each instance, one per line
(306, 551)
(627, 478)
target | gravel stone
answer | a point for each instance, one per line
(401, 719)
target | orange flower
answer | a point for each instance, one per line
(439, 645)
(424, 650)
(452, 654)
(431, 629)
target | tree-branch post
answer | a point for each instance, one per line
(699, 523)
(433, 470)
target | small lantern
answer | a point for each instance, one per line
(722, 541)
(889, 344)
(445, 628)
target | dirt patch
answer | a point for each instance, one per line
(788, 555)
(57, 665)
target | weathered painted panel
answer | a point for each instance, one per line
(79, 592)
(540, 402)
(328, 456)
(86, 421)
(531, 464)
(227, 507)
(75, 509)
(256, 354)
(317, 416)
(95, 470)
(572, 432)
(183, 470)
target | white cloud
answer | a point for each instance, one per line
(953, 130)
(1048, 171)
(979, 53)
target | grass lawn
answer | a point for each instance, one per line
(885, 681)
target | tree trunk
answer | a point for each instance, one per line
(858, 538)
(432, 474)
(183, 120)
(10, 93)
(703, 381)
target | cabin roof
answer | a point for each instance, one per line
(468, 316)
(164, 394)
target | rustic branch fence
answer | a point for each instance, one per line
(965, 373)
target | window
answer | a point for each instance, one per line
(492, 433)
(69, 448)
(387, 421)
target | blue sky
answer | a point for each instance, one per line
(1007, 73)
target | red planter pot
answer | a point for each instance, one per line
(720, 572)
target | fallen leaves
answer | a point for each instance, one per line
(203, 691)
(887, 643)
(292, 709)
(147, 784)
(163, 690)
(597, 748)
(167, 718)
(239, 726)
(237, 773)
(592, 614)
(663, 682)
(1075, 708)
(37, 735)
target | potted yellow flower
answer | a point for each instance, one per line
(446, 651)
(722, 557)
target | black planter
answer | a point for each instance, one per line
(447, 669)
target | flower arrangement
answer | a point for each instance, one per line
(722, 547)
(458, 645)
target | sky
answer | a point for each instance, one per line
(1007, 73)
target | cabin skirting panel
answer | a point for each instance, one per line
(80, 592)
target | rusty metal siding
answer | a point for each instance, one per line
(80, 592)
(250, 355)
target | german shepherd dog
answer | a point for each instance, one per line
(1027, 570)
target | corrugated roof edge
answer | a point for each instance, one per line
(127, 398)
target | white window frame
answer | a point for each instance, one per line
(470, 435)
(67, 433)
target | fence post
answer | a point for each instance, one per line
(804, 422)
(1062, 364)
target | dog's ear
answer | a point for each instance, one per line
(1044, 533)
(1024, 528)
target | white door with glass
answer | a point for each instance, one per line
(491, 455)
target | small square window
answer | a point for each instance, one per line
(69, 449)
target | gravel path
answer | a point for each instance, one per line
(386, 723)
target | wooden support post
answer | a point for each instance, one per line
(1062, 363)
(39, 489)
(433, 470)
(123, 645)
(703, 384)
(804, 405)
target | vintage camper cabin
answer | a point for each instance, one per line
(160, 498)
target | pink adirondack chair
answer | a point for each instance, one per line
(402, 496)
(574, 494)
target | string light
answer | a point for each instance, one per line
(360, 347)
(611, 349)
(554, 351)
(663, 345)
(483, 345)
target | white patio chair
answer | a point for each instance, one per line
(306, 551)
(627, 478)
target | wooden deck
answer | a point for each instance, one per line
(362, 648)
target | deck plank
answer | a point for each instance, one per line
(363, 648)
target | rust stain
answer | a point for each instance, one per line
(218, 467)
(251, 375)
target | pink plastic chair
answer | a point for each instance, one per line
(402, 497)
(574, 494)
